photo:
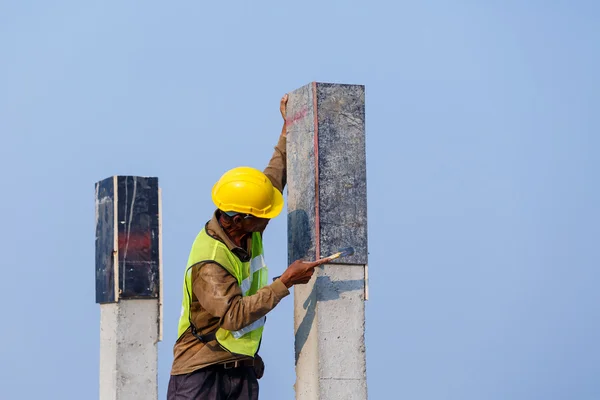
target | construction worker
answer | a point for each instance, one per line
(226, 295)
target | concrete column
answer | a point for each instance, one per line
(128, 286)
(327, 203)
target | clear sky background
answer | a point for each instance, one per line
(483, 169)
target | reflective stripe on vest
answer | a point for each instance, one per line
(251, 277)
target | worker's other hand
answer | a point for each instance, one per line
(283, 106)
(259, 367)
(300, 272)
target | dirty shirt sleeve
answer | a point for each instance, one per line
(276, 170)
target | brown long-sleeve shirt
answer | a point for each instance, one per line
(217, 300)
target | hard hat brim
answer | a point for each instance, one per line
(276, 207)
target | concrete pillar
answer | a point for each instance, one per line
(327, 203)
(129, 286)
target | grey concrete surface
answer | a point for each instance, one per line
(329, 317)
(128, 286)
(342, 173)
(326, 211)
(128, 350)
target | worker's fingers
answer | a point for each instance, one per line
(305, 277)
(322, 261)
(311, 266)
(282, 105)
(316, 263)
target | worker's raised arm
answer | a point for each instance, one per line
(276, 170)
(220, 295)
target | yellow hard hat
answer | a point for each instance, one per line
(247, 190)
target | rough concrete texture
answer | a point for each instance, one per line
(326, 211)
(128, 350)
(306, 344)
(301, 175)
(330, 324)
(342, 170)
(326, 137)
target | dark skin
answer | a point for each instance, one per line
(240, 227)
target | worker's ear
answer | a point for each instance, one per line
(237, 220)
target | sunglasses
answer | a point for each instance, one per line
(245, 216)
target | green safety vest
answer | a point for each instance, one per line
(251, 276)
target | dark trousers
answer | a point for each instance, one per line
(214, 383)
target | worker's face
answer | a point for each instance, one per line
(254, 224)
(250, 223)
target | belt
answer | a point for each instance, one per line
(238, 364)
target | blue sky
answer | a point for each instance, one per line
(483, 170)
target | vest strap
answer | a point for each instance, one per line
(209, 337)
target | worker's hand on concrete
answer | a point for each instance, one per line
(283, 106)
(300, 272)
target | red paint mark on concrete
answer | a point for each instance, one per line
(297, 117)
(135, 245)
